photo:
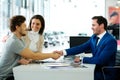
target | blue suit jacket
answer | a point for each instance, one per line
(103, 55)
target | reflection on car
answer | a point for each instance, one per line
(53, 38)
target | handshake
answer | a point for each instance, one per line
(57, 54)
(54, 55)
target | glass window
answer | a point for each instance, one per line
(60, 15)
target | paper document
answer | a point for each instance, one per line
(58, 65)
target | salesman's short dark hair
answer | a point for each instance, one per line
(101, 20)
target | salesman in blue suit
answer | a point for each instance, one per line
(103, 51)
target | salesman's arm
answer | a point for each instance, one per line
(27, 53)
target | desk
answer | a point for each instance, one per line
(41, 72)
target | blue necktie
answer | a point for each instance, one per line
(97, 38)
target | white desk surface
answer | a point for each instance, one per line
(45, 72)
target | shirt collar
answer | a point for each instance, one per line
(34, 32)
(101, 35)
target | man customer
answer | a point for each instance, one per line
(15, 48)
(103, 51)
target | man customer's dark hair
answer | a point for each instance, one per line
(16, 21)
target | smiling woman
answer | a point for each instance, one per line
(34, 38)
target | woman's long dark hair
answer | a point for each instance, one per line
(42, 23)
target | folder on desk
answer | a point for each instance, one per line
(41, 62)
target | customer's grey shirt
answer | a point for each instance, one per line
(10, 57)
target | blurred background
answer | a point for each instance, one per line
(63, 18)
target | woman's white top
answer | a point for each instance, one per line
(34, 37)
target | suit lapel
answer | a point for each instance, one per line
(102, 40)
(101, 43)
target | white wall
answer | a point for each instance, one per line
(74, 16)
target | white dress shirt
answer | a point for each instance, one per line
(100, 37)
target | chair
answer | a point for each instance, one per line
(118, 58)
(113, 73)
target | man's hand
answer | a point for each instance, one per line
(55, 55)
(59, 52)
(77, 59)
(24, 61)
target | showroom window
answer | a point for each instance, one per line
(61, 16)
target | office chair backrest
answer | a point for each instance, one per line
(118, 54)
(111, 73)
(117, 63)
